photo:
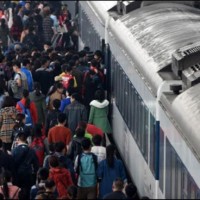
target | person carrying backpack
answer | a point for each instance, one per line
(28, 108)
(38, 144)
(75, 147)
(86, 167)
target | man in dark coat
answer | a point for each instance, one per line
(75, 112)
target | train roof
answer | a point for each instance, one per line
(162, 28)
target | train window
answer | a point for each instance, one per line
(152, 144)
(137, 123)
(146, 133)
(161, 175)
(184, 183)
(173, 173)
(178, 178)
(135, 115)
(168, 170)
(127, 96)
(192, 188)
(133, 110)
(129, 105)
(141, 125)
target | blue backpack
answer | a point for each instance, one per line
(87, 168)
(27, 113)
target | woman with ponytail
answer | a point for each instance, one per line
(39, 99)
(8, 190)
(26, 106)
(108, 170)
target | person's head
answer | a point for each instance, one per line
(8, 102)
(59, 87)
(21, 137)
(3, 22)
(97, 139)
(16, 66)
(43, 174)
(25, 93)
(75, 97)
(56, 103)
(47, 45)
(27, 5)
(110, 153)
(26, 63)
(53, 162)
(69, 91)
(94, 63)
(46, 11)
(80, 132)
(44, 62)
(130, 190)
(118, 185)
(60, 147)
(98, 55)
(100, 95)
(20, 119)
(86, 144)
(37, 130)
(50, 185)
(62, 118)
(72, 192)
(67, 68)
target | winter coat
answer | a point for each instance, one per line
(40, 106)
(62, 179)
(98, 115)
(75, 112)
(7, 122)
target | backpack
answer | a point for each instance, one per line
(86, 169)
(27, 113)
(38, 146)
(77, 147)
(66, 81)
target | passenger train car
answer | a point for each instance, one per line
(154, 89)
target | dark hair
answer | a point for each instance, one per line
(43, 60)
(3, 23)
(130, 190)
(59, 146)
(49, 183)
(72, 191)
(144, 197)
(16, 63)
(97, 139)
(100, 95)
(8, 102)
(76, 96)
(37, 88)
(56, 103)
(25, 61)
(19, 120)
(86, 144)
(37, 130)
(72, 63)
(98, 53)
(6, 177)
(94, 63)
(110, 153)
(80, 132)
(62, 118)
(1, 143)
(66, 68)
(53, 161)
(43, 173)
(51, 147)
(22, 136)
(26, 96)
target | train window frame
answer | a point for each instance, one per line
(133, 111)
(161, 160)
(129, 104)
(178, 178)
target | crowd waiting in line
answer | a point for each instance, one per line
(54, 112)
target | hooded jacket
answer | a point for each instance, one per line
(62, 179)
(40, 106)
(98, 115)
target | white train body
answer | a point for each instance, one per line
(156, 131)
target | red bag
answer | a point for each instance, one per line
(38, 146)
(94, 130)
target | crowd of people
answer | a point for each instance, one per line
(54, 112)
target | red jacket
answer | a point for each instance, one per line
(62, 179)
(33, 110)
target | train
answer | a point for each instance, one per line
(151, 53)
